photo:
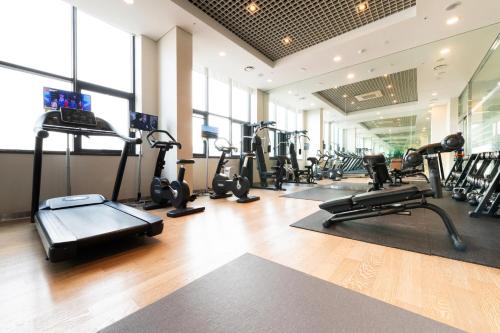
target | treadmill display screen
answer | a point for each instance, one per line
(143, 121)
(55, 99)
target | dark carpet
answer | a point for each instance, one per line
(251, 294)
(422, 232)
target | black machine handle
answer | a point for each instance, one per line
(449, 143)
(169, 144)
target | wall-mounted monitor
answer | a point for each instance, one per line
(55, 99)
(143, 121)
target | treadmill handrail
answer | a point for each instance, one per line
(41, 129)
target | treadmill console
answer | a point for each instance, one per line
(78, 117)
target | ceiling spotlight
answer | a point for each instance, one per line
(286, 40)
(361, 7)
(289, 92)
(434, 94)
(269, 80)
(345, 96)
(222, 54)
(394, 101)
(452, 20)
(392, 95)
(350, 76)
(252, 8)
(249, 69)
(352, 103)
(335, 87)
(389, 86)
(385, 75)
(444, 51)
(337, 58)
(129, 2)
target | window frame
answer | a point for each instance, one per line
(78, 86)
(207, 113)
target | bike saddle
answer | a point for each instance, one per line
(187, 161)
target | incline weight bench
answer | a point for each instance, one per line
(398, 200)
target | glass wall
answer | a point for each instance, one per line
(479, 105)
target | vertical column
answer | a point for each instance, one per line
(175, 60)
(440, 128)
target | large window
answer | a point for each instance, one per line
(43, 53)
(479, 111)
(224, 104)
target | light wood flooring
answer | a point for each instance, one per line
(87, 295)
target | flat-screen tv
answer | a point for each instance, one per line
(55, 99)
(143, 121)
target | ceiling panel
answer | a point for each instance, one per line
(304, 22)
(408, 121)
(390, 89)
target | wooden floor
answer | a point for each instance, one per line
(92, 293)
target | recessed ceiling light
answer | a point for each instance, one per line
(361, 7)
(392, 95)
(252, 8)
(452, 20)
(389, 86)
(434, 94)
(289, 92)
(444, 51)
(371, 70)
(312, 104)
(345, 96)
(381, 117)
(222, 54)
(385, 75)
(350, 76)
(427, 118)
(378, 113)
(337, 58)
(286, 40)
(335, 87)
(352, 103)
(394, 101)
(249, 69)
(269, 80)
(361, 51)
(129, 2)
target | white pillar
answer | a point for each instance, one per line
(175, 60)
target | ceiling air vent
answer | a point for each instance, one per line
(369, 96)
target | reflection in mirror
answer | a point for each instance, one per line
(405, 99)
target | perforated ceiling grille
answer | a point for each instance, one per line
(396, 88)
(305, 22)
(390, 123)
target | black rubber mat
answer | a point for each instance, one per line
(422, 232)
(251, 294)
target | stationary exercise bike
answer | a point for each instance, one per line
(239, 184)
(163, 192)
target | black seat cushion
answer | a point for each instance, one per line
(337, 205)
(187, 161)
(386, 196)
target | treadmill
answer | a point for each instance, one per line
(67, 225)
